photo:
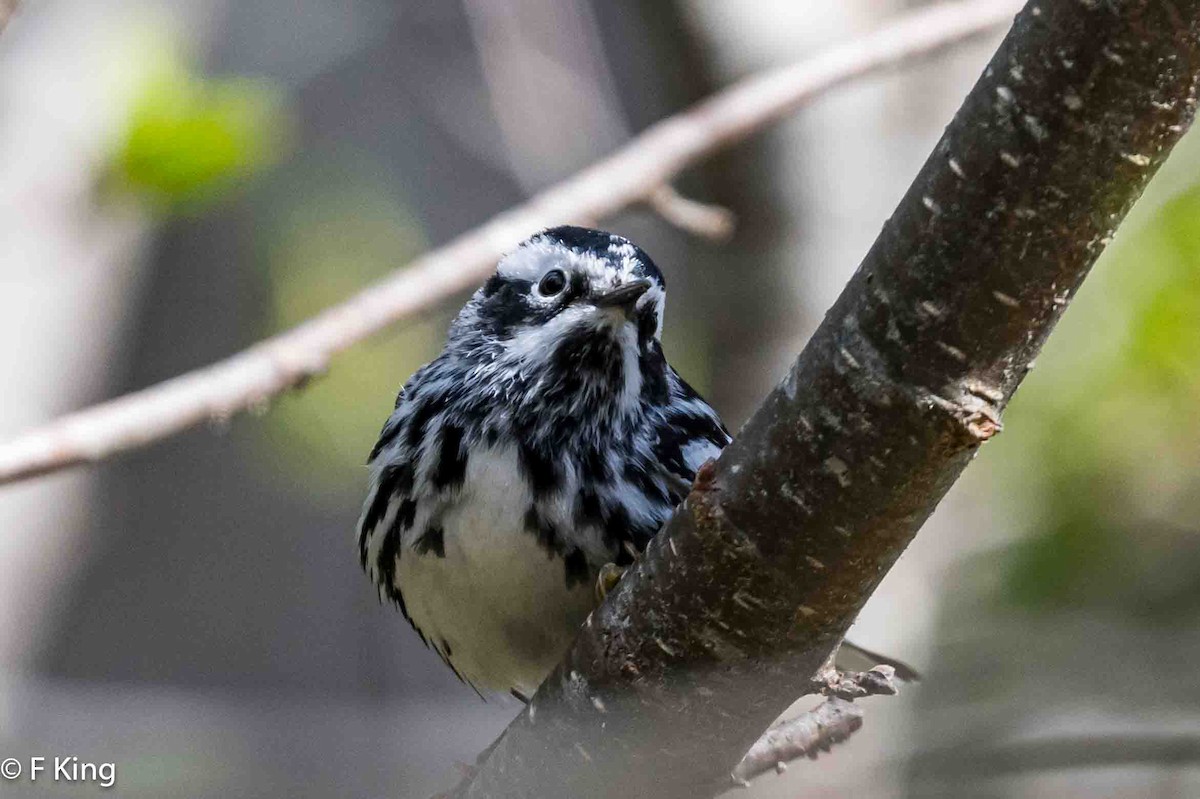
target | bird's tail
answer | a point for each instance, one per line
(852, 657)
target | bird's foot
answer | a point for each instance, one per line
(610, 574)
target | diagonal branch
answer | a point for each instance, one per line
(7, 9)
(635, 174)
(740, 599)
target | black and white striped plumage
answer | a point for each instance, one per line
(549, 438)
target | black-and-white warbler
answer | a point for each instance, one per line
(547, 440)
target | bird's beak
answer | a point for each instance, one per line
(624, 297)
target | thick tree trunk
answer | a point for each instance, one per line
(743, 595)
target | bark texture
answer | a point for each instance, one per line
(740, 599)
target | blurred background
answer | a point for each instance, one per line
(180, 179)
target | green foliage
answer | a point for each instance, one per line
(189, 137)
(1104, 440)
(328, 245)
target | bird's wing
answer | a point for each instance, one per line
(688, 433)
(390, 501)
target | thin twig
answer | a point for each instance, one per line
(7, 9)
(633, 174)
(819, 729)
(808, 734)
(712, 222)
(878, 681)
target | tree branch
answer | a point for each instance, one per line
(819, 729)
(712, 222)
(7, 9)
(739, 600)
(807, 735)
(635, 174)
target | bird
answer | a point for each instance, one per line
(534, 458)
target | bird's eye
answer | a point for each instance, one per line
(552, 283)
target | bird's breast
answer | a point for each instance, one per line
(496, 600)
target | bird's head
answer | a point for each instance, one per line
(576, 308)
(571, 280)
